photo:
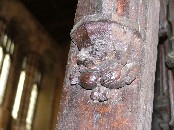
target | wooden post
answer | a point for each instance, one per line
(110, 71)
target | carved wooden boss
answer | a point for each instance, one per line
(106, 57)
(101, 89)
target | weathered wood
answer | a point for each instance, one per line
(110, 71)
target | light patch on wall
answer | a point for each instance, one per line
(12, 48)
(18, 95)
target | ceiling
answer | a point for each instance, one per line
(56, 16)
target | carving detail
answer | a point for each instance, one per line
(88, 80)
(104, 63)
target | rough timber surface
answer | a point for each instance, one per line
(110, 71)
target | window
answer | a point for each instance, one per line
(6, 50)
(31, 91)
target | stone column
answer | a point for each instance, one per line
(111, 68)
(31, 69)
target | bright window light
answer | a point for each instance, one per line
(4, 40)
(4, 76)
(1, 56)
(18, 95)
(31, 108)
(8, 45)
